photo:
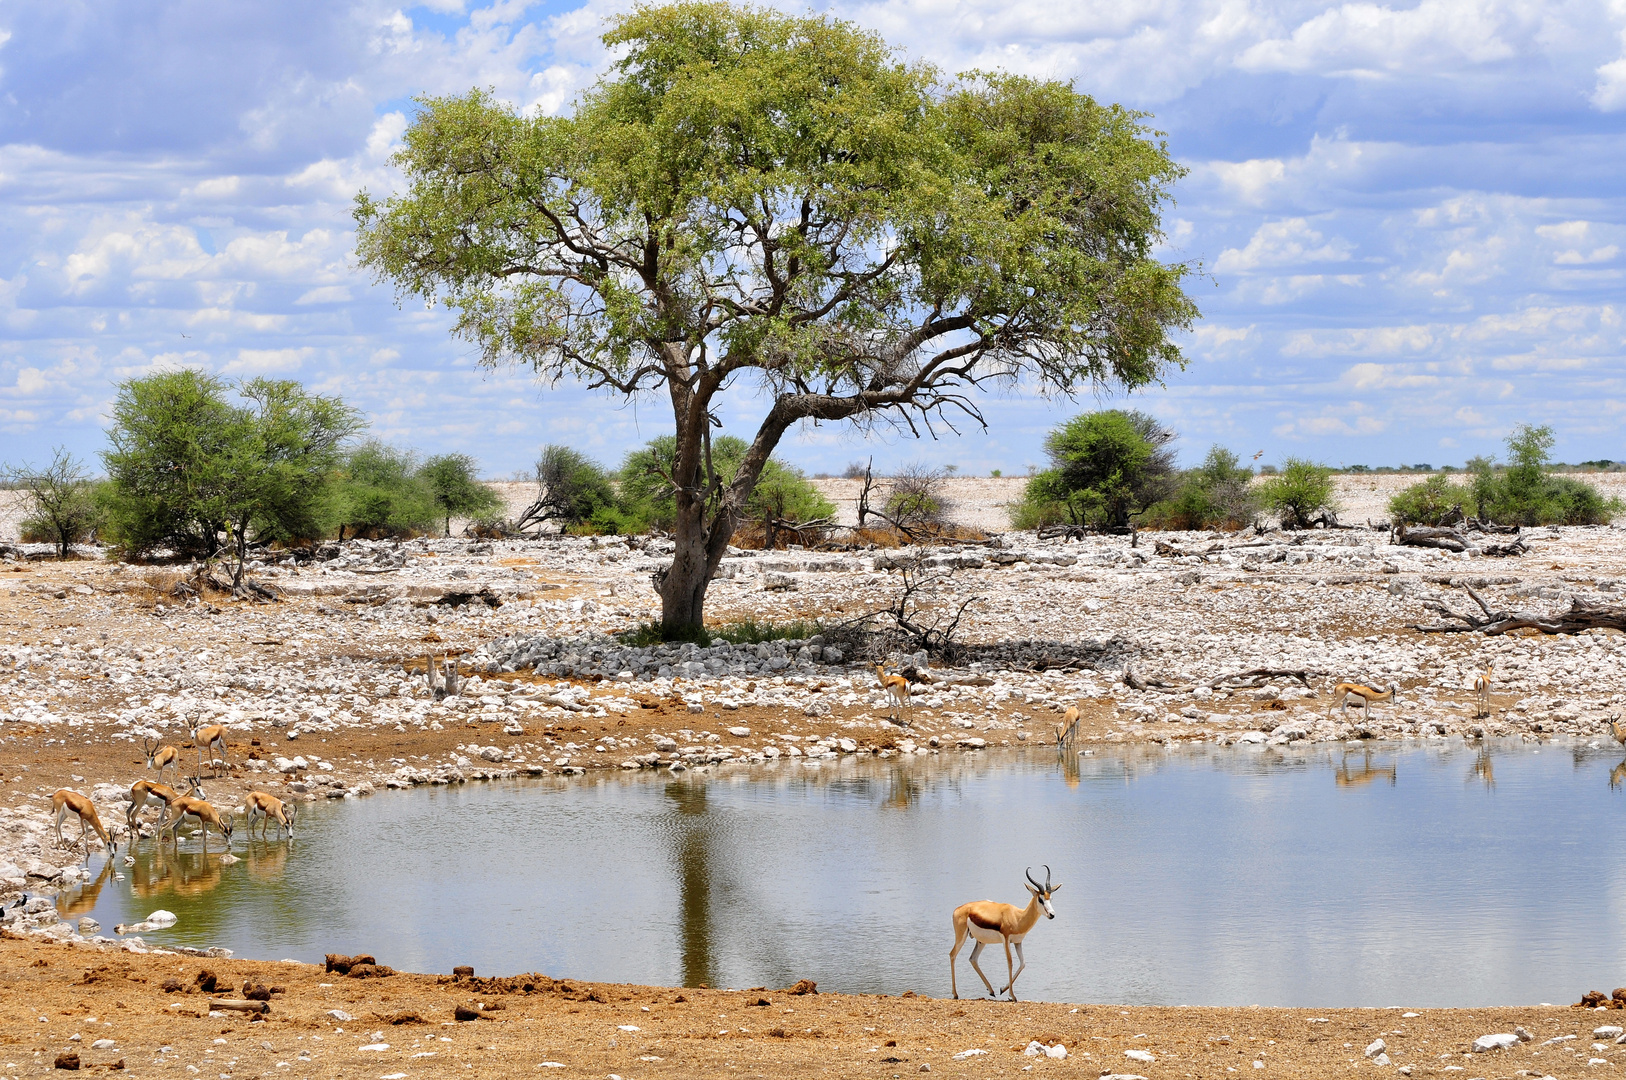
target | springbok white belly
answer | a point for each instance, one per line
(992, 937)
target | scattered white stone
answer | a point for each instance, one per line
(1377, 1047)
(739, 732)
(1608, 1031)
(1496, 1042)
(161, 918)
(380, 1047)
(963, 1054)
(340, 1015)
(103, 1044)
(1142, 1056)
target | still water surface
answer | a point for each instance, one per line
(1420, 876)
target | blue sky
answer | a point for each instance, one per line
(1412, 215)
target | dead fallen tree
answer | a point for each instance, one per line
(1257, 677)
(1580, 615)
(1428, 536)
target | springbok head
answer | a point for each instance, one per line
(1043, 892)
(151, 747)
(194, 787)
(292, 810)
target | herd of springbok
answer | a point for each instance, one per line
(173, 806)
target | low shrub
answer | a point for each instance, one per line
(1301, 495)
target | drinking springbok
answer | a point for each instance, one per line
(186, 806)
(989, 923)
(67, 801)
(145, 793)
(269, 808)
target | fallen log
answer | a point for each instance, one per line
(1580, 615)
(238, 1005)
(1258, 676)
(1429, 537)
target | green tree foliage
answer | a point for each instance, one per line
(166, 446)
(1300, 495)
(576, 491)
(1435, 501)
(190, 469)
(1216, 494)
(62, 505)
(772, 204)
(383, 492)
(455, 485)
(1105, 467)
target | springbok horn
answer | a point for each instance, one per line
(1035, 884)
(1047, 879)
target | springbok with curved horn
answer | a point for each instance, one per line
(1341, 693)
(186, 806)
(67, 801)
(990, 923)
(159, 757)
(145, 793)
(269, 808)
(896, 687)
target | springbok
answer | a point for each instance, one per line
(145, 793)
(212, 736)
(989, 923)
(896, 687)
(186, 806)
(66, 801)
(1482, 689)
(1341, 692)
(1068, 727)
(269, 808)
(159, 757)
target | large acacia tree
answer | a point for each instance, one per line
(755, 203)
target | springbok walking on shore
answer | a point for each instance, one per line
(991, 923)
(1342, 692)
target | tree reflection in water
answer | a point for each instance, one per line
(694, 881)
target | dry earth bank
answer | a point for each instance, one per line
(110, 1007)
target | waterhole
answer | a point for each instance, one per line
(1433, 875)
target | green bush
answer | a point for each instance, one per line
(1524, 493)
(63, 503)
(382, 493)
(579, 494)
(1300, 495)
(1217, 494)
(782, 492)
(1106, 467)
(1435, 501)
(457, 491)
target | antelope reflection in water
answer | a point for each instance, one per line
(1365, 773)
(267, 859)
(1483, 768)
(81, 901)
(166, 872)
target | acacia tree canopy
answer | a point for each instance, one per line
(781, 205)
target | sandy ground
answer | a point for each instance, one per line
(113, 1007)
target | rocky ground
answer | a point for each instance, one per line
(325, 695)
